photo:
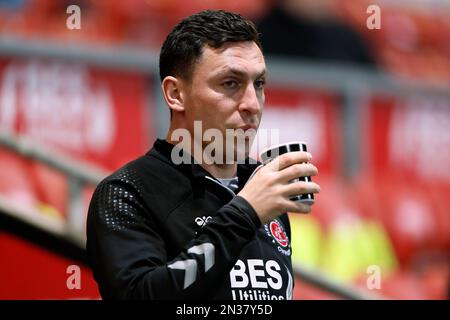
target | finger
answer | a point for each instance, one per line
(288, 159)
(300, 187)
(298, 170)
(297, 207)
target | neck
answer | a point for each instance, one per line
(220, 171)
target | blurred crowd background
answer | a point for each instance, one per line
(373, 105)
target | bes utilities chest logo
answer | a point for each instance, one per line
(258, 279)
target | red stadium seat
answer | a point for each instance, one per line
(408, 285)
(438, 195)
(410, 217)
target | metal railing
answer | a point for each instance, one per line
(78, 174)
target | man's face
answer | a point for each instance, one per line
(226, 89)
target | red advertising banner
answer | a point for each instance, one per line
(409, 138)
(92, 114)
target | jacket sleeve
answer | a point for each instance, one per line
(127, 254)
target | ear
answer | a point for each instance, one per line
(172, 92)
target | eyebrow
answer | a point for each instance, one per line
(238, 72)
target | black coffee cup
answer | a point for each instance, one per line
(275, 151)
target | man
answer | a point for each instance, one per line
(158, 229)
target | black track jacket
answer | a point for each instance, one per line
(157, 230)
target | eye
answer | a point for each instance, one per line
(230, 84)
(259, 84)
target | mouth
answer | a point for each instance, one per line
(247, 127)
(248, 132)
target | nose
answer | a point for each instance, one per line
(251, 102)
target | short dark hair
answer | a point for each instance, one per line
(184, 44)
